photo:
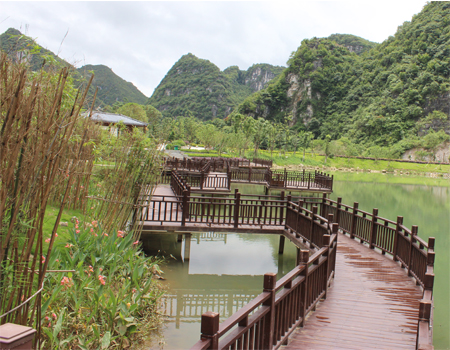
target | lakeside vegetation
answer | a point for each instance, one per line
(85, 284)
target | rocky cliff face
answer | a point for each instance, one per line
(257, 77)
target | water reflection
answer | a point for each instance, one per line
(213, 272)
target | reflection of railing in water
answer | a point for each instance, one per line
(211, 236)
(186, 305)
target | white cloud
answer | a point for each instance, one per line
(141, 41)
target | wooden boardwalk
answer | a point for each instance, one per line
(372, 304)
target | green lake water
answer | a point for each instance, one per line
(225, 271)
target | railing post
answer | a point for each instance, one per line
(373, 229)
(209, 329)
(281, 208)
(414, 230)
(309, 180)
(430, 251)
(285, 178)
(396, 237)
(270, 281)
(330, 219)
(303, 258)
(185, 209)
(237, 201)
(322, 207)
(332, 178)
(313, 214)
(429, 277)
(353, 226)
(288, 200)
(338, 210)
(202, 178)
(326, 242)
(250, 174)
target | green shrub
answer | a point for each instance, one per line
(109, 296)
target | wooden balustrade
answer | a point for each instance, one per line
(403, 244)
(267, 321)
(315, 226)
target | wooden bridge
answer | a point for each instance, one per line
(365, 283)
(217, 174)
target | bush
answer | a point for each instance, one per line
(108, 297)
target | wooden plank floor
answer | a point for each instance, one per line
(371, 304)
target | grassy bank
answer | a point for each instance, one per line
(295, 161)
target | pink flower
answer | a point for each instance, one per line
(120, 234)
(133, 290)
(101, 279)
(76, 226)
(137, 242)
(101, 269)
(47, 240)
(56, 235)
(68, 245)
(43, 259)
(47, 318)
(91, 269)
(95, 223)
(67, 282)
(77, 231)
(105, 234)
(54, 315)
(92, 230)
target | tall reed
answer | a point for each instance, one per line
(42, 141)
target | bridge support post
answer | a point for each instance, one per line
(187, 246)
(281, 246)
(353, 225)
(282, 208)
(209, 328)
(270, 281)
(373, 229)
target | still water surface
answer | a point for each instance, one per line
(225, 271)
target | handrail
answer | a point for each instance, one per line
(317, 228)
(295, 294)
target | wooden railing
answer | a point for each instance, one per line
(403, 244)
(308, 180)
(267, 321)
(263, 162)
(308, 219)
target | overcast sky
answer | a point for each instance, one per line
(141, 41)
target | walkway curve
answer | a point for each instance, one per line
(366, 307)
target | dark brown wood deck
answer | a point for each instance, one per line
(372, 304)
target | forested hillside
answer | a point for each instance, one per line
(111, 88)
(197, 87)
(387, 96)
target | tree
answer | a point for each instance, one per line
(327, 147)
(305, 141)
(260, 127)
(271, 136)
(133, 110)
